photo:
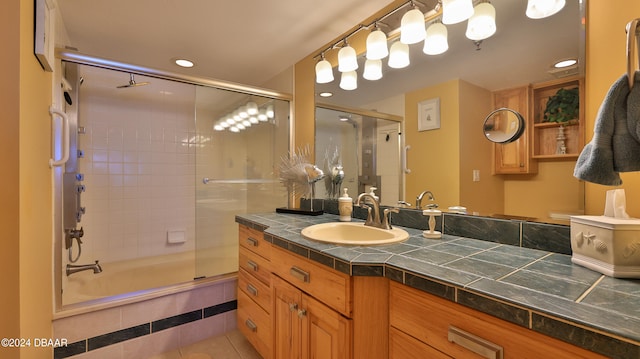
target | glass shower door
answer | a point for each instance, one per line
(235, 173)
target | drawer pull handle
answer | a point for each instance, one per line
(299, 274)
(253, 265)
(482, 347)
(252, 290)
(251, 325)
(252, 241)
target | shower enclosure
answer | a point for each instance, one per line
(156, 174)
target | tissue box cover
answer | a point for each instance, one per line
(608, 245)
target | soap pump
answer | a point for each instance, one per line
(345, 206)
(431, 233)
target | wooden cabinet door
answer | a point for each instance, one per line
(514, 158)
(325, 333)
(287, 325)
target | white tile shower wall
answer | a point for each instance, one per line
(139, 175)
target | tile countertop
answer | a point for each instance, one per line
(536, 289)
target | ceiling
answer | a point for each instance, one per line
(247, 42)
(252, 41)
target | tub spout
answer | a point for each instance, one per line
(82, 267)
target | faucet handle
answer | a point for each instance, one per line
(387, 216)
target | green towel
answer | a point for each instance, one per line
(615, 146)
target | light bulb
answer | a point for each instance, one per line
(436, 41)
(242, 112)
(270, 113)
(482, 24)
(347, 59)
(349, 80)
(412, 27)
(372, 70)
(538, 9)
(252, 108)
(324, 72)
(455, 11)
(218, 128)
(377, 45)
(399, 55)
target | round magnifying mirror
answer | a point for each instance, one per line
(503, 125)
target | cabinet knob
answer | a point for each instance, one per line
(293, 306)
(302, 313)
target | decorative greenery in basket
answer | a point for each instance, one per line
(563, 107)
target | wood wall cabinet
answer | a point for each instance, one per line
(514, 157)
(545, 134)
(422, 322)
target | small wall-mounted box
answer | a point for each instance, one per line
(608, 245)
(177, 236)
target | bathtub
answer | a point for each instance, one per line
(128, 277)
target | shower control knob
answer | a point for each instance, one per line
(83, 210)
(81, 188)
(79, 176)
(80, 154)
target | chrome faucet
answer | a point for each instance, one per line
(375, 220)
(431, 198)
(71, 268)
(371, 221)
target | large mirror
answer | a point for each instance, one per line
(521, 52)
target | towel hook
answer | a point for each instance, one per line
(632, 34)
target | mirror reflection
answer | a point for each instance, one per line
(358, 151)
(455, 161)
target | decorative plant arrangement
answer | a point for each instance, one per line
(563, 107)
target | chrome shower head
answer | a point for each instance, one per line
(132, 83)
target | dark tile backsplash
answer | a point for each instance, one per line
(543, 236)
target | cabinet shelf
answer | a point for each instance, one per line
(544, 137)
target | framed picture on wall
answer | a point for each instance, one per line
(43, 36)
(429, 114)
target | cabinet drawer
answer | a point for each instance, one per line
(325, 284)
(253, 240)
(255, 265)
(255, 289)
(403, 346)
(255, 324)
(428, 318)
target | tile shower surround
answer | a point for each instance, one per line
(526, 265)
(139, 161)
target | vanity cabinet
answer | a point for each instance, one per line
(292, 307)
(546, 134)
(422, 324)
(254, 290)
(514, 157)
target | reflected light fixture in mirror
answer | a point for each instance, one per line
(412, 26)
(539, 9)
(399, 55)
(482, 24)
(372, 70)
(324, 71)
(347, 58)
(436, 41)
(349, 80)
(455, 11)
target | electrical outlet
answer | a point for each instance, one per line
(476, 175)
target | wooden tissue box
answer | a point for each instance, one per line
(608, 245)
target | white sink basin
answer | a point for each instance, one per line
(353, 233)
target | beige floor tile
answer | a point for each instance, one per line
(242, 346)
(174, 354)
(218, 347)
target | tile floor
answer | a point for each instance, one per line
(232, 345)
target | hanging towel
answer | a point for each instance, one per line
(615, 146)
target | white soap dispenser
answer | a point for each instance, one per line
(373, 193)
(345, 206)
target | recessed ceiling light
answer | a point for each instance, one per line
(565, 63)
(325, 94)
(184, 62)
